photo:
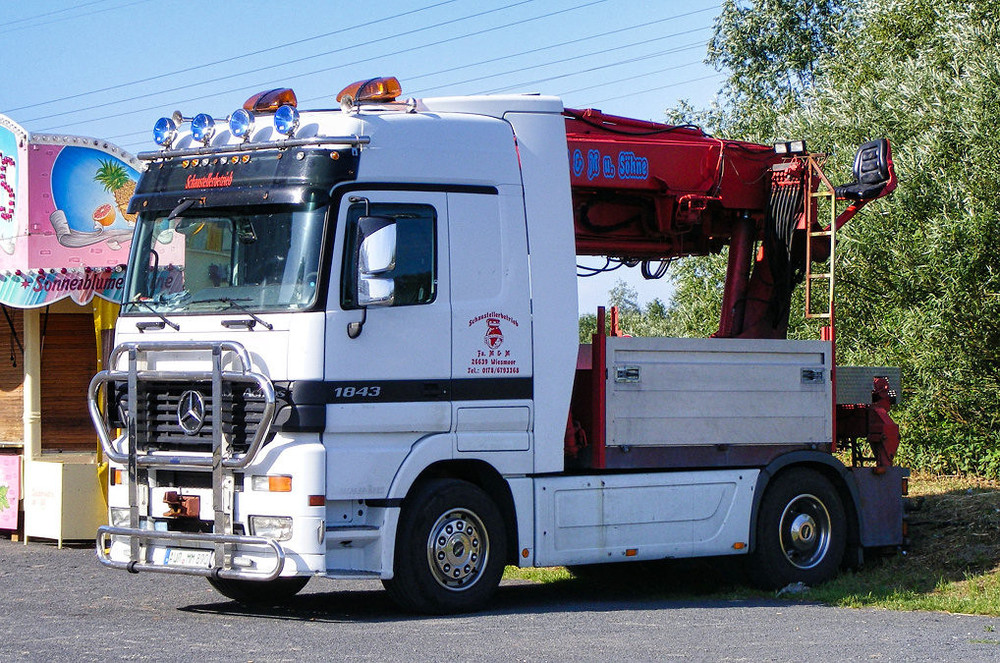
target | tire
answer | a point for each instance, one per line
(801, 531)
(450, 549)
(255, 592)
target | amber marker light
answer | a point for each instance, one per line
(385, 88)
(317, 500)
(269, 101)
(278, 483)
(739, 545)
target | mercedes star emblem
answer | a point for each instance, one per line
(191, 412)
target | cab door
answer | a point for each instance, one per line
(386, 380)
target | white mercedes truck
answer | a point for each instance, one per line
(349, 349)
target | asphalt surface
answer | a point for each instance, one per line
(61, 605)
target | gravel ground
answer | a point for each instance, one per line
(61, 605)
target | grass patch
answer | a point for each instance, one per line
(541, 575)
(952, 563)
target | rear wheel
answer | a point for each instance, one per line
(256, 592)
(801, 531)
(449, 549)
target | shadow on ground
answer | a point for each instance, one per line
(609, 588)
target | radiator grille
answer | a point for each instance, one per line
(158, 428)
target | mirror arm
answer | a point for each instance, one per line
(361, 199)
(354, 329)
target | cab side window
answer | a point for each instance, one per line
(415, 271)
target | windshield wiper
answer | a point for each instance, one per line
(235, 304)
(151, 308)
(184, 205)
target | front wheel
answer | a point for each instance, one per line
(801, 531)
(256, 592)
(449, 549)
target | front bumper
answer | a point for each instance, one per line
(141, 542)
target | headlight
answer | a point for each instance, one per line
(119, 516)
(278, 528)
(274, 483)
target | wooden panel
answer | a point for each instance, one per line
(69, 360)
(11, 378)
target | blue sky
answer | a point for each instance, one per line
(110, 68)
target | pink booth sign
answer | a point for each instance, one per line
(64, 226)
(10, 489)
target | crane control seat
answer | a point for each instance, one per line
(873, 172)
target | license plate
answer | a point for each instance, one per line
(187, 557)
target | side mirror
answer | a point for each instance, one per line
(377, 245)
(375, 248)
(376, 255)
(376, 291)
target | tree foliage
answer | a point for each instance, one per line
(918, 273)
(774, 51)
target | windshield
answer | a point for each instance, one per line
(203, 261)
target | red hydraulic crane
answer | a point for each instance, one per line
(646, 193)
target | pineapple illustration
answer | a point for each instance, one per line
(115, 179)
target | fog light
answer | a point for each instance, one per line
(241, 123)
(203, 128)
(278, 528)
(286, 119)
(244, 562)
(164, 131)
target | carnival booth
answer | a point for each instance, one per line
(64, 240)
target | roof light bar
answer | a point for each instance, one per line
(269, 101)
(382, 89)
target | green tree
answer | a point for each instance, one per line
(624, 297)
(774, 51)
(919, 276)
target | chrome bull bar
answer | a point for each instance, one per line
(147, 536)
(223, 460)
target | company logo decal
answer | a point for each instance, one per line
(626, 165)
(208, 181)
(494, 335)
(191, 412)
(495, 359)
